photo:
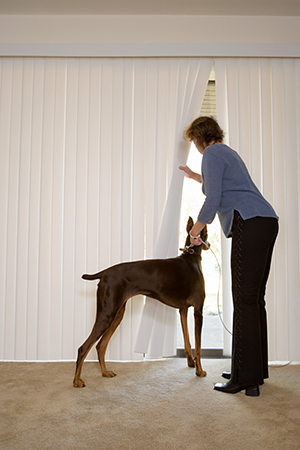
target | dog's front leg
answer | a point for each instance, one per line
(185, 331)
(198, 329)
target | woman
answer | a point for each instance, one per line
(252, 223)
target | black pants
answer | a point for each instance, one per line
(252, 246)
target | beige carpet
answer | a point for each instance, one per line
(149, 405)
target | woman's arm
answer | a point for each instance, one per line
(212, 168)
(190, 174)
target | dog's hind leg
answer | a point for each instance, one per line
(102, 345)
(198, 329)
(185, 331)
(84, 350)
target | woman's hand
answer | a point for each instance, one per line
(190, 174)
(195, 232)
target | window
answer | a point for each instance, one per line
(192, 199)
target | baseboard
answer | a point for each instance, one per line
(205, 353)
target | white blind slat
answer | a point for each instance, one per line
(261, 102)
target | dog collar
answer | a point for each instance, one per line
(188, 249)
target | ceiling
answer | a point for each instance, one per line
(152, 7)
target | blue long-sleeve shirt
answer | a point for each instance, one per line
(228, 186)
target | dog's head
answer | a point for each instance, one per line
(204, 235)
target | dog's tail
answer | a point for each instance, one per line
(95, 276)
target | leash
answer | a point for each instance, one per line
(218, 294)
(189, 249)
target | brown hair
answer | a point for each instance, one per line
(205, 130)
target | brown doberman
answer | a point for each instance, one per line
(177, 282)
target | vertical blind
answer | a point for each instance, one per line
(88, 151)
(157, 331)
(89, 178)
(258, 105)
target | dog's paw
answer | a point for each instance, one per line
(190, 362)
(78, 383)
(109, 374)
(201, 374)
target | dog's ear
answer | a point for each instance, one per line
(204, 236)
(190, 224)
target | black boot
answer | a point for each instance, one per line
(232, 388)
(227, 375)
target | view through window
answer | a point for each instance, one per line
(192, 199)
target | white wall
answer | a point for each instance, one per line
(143, 36)
(150, 35)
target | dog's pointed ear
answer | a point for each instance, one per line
(190, 224)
